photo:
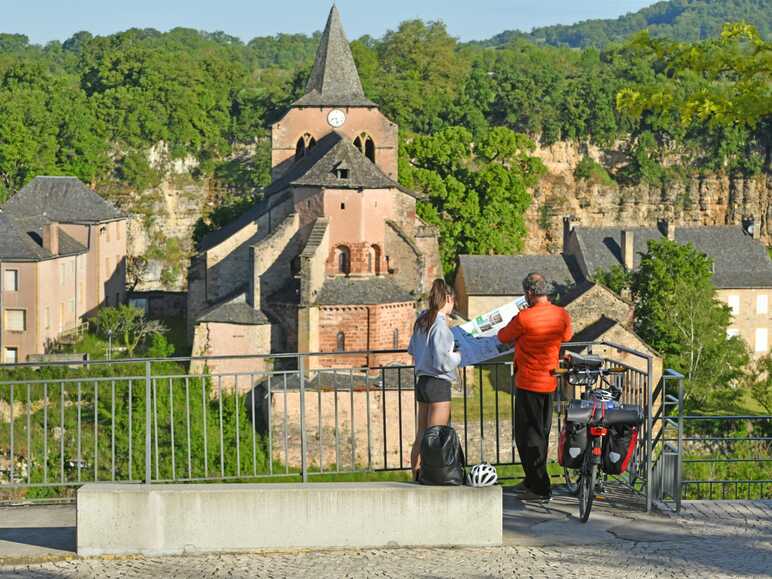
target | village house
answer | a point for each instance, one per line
(334, 257)
(62, 256)
(742, 269)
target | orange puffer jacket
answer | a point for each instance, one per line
(537, 333)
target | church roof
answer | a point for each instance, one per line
(334, 80)
(361, 291)
(335, 163)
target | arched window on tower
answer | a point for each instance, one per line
(343, 259)
(304, 144)
(340, 342)
(366, 146)
(395, 339)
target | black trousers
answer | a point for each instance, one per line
(533, 422)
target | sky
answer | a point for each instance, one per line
(46, 20)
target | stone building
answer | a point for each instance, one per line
(742, 269)
(62, 256)
(334, 257)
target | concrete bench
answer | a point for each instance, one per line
(122, 519)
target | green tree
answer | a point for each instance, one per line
(760, 379)
(476, 191)
(677, 313)
(616, 278)
(128, 325)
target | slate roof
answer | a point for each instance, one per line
(334, 79)
(595, 331)
(234, 310)
(320, 166)
(361, 291)
(739, 260)
(217, 236)
(493, 275)
(62, 199)
(23, 240)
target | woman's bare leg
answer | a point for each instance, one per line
(415, 453)
(439, 414)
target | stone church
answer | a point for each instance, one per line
(334, 257)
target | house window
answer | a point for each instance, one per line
(340, 342)
(762, 341)
(732, 332)
(16, 320)
(395, 339)
(762, 304)
(341, 173)
(375, 252)
(304, 144)
(734, 304)
(343, 259)
(11, 355)
(343, 206)
(11, 280)
(47, 317)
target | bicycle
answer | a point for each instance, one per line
(586, 371)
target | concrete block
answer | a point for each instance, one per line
(123, 519)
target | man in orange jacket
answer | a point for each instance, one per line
(537, 333)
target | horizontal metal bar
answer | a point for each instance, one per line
(719, 460)
(745, 417)
(727, 482)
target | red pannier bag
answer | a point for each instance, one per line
(618, 448)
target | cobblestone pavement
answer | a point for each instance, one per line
(707, 540)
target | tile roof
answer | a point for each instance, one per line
(62, 199)
(217, 236)
(322, 165)
(22, 239)
(361, 291)
(234, 310)
(492, 275)
(334, 79)
(739, 260)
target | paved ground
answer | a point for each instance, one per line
(727, 539)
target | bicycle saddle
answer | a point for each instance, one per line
(589, 362)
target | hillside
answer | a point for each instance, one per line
(684, 20)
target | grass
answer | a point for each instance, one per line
(496, 375)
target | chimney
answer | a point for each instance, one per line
(628, 249)
(667, 229)
(253, 292)
(51, 237)
(569, 222)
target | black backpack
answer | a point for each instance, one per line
(442, 459)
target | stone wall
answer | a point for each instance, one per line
(597, 301)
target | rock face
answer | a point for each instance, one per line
(165, 216)
(715, 200)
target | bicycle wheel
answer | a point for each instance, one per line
(586, 491)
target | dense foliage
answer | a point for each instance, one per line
(685, 20)
(120, 111)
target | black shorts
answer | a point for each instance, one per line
(431, 389)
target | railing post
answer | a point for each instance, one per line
(148, 422)
(679, 458)
(649, 427)
(302, 380)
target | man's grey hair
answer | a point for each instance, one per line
(536, 284)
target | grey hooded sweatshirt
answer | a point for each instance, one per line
(433, 352)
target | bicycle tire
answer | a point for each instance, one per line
(586, 491)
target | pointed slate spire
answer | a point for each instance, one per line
(334, 80)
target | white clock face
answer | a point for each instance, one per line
(336, 118)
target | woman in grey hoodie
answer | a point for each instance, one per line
(436, 362)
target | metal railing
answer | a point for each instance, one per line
(709, 457)
(242, 418)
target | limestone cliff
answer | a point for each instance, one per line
(715, 200)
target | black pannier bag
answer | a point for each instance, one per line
(572, 445)
(442, 459)
(618, 448)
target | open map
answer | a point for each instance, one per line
(476, 339)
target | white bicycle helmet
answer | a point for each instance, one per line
(482, 475)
